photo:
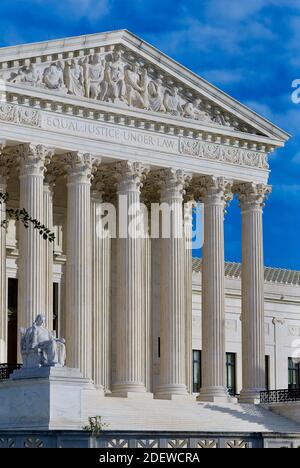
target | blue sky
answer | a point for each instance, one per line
(248, 49)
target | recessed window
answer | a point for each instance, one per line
(294, 373)
(55, 307)
(196, 370)
(231, 373)
(12, 332)
(267, 372)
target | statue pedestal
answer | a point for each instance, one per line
(45, 398)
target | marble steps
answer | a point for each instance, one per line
(186, 415)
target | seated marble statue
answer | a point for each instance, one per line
(40, 347)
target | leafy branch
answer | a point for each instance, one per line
(22, 215)
(95, 426)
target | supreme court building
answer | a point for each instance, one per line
(92, 119)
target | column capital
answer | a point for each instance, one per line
(80, 166)
(102, 181)
(6, 164)
(32, 158)
(173, 182)
(212, 189)
(50, 177)
(130, 175)
(251, 195)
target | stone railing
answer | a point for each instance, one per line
(280, 396)
(7, 369)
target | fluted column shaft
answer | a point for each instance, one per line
(188, 226)
(253, 335)
(48, 247)
(172, 320)
(3, 281)
(130, 360)
(213, 294)
(146, 296)
(101, 320)
(79, 268)
(32, 244)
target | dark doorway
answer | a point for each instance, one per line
(12, 306)
(55, 307)
(231, 373)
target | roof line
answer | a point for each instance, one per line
(272, 275)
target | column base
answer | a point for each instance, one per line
(130, 391)
(250, 396)
(214, 395)
(171, 392)
(100, 389)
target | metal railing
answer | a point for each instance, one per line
(7, 369)
(280, 396)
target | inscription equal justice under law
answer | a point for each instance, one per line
(107, 132)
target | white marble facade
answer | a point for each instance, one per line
(94, 119)
(281, 319)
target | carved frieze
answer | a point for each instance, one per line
(20, 115)
(119, 77)
(214, 151)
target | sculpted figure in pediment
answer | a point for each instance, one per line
(145, 80)
(115, 75)
(53, 76)
(94, 73)
(172, 102)
(28, 74)
(191, 110)
(156, 95)
(134, 88)
(73, 76)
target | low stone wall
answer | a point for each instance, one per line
(290, 409)
(145, 440)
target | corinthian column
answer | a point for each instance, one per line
(147, 327)
(31, 259)
(251, 199)
(172, 320)
(188, 227)
(79, 268)
(48, 221)
(3, 285)
(130, 334)
(215, 194)
(101, 319)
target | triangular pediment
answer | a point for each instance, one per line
(121, 69)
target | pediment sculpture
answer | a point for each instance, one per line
(40, 347)
(113, 77)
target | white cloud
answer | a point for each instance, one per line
(235, 9)
(195, 35)
(261, 109)
(222, 76)
(77, 9)
(286, 189)
(214, 28)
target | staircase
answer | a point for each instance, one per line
(145, 414)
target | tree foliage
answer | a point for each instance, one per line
(22, 215)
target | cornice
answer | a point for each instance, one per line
(109, 112)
